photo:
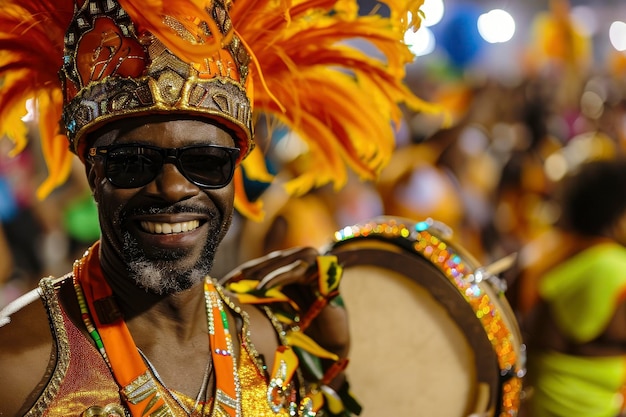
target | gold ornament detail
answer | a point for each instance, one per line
(110, 410)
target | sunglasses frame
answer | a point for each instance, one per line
(168, 155)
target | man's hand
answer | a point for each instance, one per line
(295, 272)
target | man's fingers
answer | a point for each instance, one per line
(294, 272)
(274, 265)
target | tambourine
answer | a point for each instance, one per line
(432, 332)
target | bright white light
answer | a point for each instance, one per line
(433, 12)
(617, 35)
(421, 42)
(585, 19)
(30, 111)
(496, 26)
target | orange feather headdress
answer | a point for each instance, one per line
(87, 62)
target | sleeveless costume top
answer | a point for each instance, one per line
(81, 384)
(582, 293)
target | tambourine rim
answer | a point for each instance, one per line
(402, 233)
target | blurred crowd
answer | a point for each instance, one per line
(39, 238)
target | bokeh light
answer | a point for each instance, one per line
(458, 36)
(433, 12)
(496, 26)
(421, 42)
(30, 111)
(617, 35)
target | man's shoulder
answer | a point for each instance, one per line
(26, 345)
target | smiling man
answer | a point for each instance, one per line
(156, 100)
(167, 202)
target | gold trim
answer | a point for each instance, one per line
(117, 98)
(47, 290)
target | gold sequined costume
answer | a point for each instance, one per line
(81, 383)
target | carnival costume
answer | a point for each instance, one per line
(568, 385)
(87, 63)
(84, 380)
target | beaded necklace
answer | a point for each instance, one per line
(138, 387)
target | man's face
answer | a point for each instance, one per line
(165, 233)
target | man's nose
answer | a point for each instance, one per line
(172, 185)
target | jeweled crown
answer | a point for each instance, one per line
(113, 69)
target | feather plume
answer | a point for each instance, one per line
(150, 14)
(343, 101)
(256, 170)
(31, 52)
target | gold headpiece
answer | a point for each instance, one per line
(112, 69)
(87, 62)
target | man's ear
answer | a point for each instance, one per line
(90, 172)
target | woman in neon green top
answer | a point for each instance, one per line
(577, 331)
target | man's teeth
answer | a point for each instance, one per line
(168, 228)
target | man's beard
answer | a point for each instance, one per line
(161, 273)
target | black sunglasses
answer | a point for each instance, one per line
(134, 165)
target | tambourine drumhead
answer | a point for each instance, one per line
(418, 347)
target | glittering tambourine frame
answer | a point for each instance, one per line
(478, 305)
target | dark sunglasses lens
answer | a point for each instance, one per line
(207, 166)
(132, 166)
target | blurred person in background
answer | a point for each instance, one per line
(574, 307)
(23, 226)
(41, 235)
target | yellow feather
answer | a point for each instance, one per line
(249, 209)
(150, 15)
(343, 102)
(14, 129)
(256, 166)
(53, 144)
